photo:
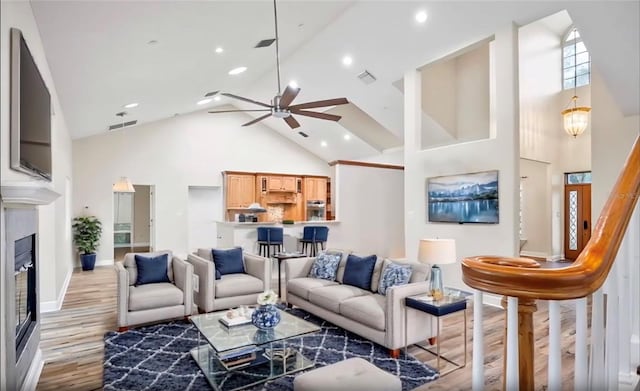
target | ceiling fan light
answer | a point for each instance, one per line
(281, 113)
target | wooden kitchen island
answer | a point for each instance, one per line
(231, 234)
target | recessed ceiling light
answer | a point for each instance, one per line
(237, 71)
(219, 50)
(293, 84)
(130, 105)
(421, 16)
(323, 143)
(203, 102)
(347, 60)
(347, 137)
(217, 98)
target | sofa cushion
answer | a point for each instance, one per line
(228, 261)
(368, 310)
(238, 284)
(129, 263)
(359, 270)
(325, 266)
(330, 297)
(150, 296)
(393, 274)
(302, 286)
(151, 269)
(375, 278)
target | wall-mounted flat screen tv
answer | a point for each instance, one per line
(30, 113)
(465, 198)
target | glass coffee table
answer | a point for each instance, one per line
(238, 357)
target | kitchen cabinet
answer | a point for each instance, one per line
(315, 189)
(241, 190)
(281, 183)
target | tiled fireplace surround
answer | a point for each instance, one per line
(19, 218)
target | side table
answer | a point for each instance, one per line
(281, 257)
(452, 302)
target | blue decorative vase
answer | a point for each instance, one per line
(265, 317)
(263, 336)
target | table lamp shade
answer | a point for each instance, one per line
(437, 251)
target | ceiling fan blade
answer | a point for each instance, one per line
(289, 95)
(237, 111)
(292, 122)
(257, 120)
(246, 99)
(315, 114)
(320, 103)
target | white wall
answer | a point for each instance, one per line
(54, 247)
(205, 208)
(369, 205)
(189, 150)
(499, 153)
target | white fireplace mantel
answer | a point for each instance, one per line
(27, 193)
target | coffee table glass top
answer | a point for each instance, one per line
(223, 338)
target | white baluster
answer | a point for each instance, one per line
(512, 378)
(478, 343)
(580, 375)
(611, 358)
(596, 368)
(555, 351)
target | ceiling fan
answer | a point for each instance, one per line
(281, 106)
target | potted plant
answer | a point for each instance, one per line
(86, 236)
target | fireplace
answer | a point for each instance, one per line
(25, 290)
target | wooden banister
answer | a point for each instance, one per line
(522, 278)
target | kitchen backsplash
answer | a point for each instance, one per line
(275, 213)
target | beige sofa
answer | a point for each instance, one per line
(157, 301)
(378, 318)
(231, 290)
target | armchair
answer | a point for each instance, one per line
(231, 290)
(155, 301)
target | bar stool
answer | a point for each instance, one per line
(312, 236)
(268, 237)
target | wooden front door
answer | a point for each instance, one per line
(577, 219)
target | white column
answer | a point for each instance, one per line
(513, 362)
(580, 373)
(596, 368)
(555, 351)
(478, 343)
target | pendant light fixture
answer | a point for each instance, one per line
(123, 185)
(575, 118)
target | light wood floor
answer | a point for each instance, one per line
(72, 340)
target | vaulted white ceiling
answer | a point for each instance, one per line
(100, 56)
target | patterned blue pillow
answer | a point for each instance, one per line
(392, 275)
(326, 266)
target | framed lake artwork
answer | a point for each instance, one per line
(465, 198)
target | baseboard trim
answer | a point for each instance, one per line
(105, 262)
(556, 257)
(33, 375)
(535, 254)
(50, 306)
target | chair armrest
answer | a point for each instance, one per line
(297, 267)
(183, 278)
(122, 294)
(396, 311)
(259, 267)
(205, 270)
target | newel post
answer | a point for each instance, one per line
(526, 308)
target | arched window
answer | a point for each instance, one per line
(576, 62)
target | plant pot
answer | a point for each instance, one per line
(88, 261)
(265, 317)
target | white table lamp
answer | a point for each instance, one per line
(437, 252)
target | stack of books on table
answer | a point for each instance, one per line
(240, 357)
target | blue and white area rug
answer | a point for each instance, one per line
(157, 358)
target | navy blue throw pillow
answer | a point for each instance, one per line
(228, 261)
(359, 270)
(152, 269)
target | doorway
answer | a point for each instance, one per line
(133, 221)
(577, 212)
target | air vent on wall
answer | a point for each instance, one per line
(303, 134)
(212, 93)
(366, 77)
(265, 43)
(121, 125)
